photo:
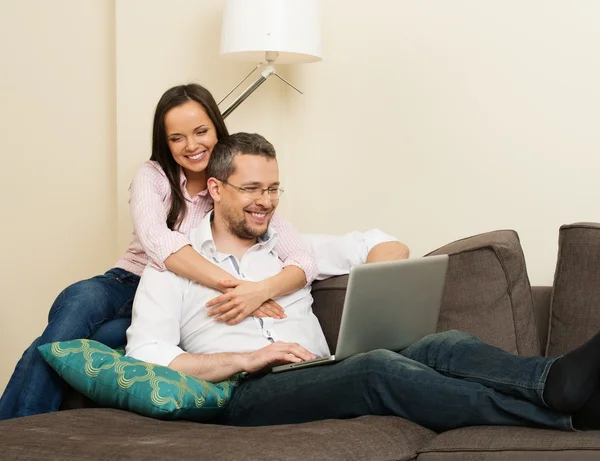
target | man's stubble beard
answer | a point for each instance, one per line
(240, 228)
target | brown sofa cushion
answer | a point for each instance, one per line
(541, 300)
(328, 304)
(575, 305)
(487, 292)
(98, 433)
(488, 443)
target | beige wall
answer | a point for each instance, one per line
(437, 120)
(431, 120)
(58, 165)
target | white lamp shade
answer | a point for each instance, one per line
(290, 27)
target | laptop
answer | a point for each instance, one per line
(388, 305)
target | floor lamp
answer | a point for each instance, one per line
(266, 32)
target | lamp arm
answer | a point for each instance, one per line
(265, 74)
(288, 83)
(236, 87)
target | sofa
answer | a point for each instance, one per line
(487, 293)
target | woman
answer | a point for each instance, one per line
(168, 198)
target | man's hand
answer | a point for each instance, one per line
(243, 298)
(220, 366)
(275, 354)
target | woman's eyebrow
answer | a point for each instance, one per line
(195, 129)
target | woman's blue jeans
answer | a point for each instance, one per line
(81, 311)
(444, 381)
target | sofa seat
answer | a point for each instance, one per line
(102, 433)
(501, 443)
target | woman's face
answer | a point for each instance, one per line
(191, 136)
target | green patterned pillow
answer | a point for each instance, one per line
(113, 380)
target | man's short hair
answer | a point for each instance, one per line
(220, 164)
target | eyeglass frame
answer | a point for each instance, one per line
(244, 190)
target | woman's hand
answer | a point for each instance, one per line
(270, 309)
(241, 299)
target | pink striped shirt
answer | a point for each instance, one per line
(153, 241)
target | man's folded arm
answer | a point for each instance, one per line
(336, 255)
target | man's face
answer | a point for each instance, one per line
(248, 218)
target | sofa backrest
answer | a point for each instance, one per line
(328, 304)
(487, 293)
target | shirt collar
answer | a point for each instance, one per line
(202, 239)
(183, 183)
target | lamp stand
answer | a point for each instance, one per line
(269, 70)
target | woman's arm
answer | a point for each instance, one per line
(167, 249)
(294, 253)
(253, 297)
(190, 264)
(237, 304)
(299, 270)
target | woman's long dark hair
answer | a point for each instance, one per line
(161, 153)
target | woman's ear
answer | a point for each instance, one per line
(214, 189)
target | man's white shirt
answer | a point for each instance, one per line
(170, 315)
(335, 254)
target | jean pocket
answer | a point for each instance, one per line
(124, 277)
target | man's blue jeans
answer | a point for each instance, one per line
(78, 312)
(444, 381)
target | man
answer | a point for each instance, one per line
(443, 381)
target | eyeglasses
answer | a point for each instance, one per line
(255, 193)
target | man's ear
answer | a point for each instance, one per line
(214, 189)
